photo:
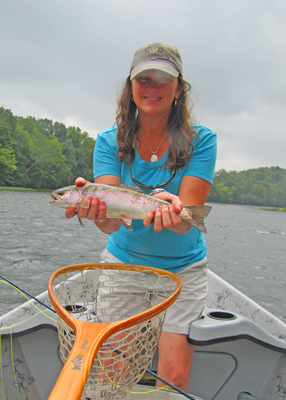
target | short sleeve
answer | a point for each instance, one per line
(203, 159)
(105, 160)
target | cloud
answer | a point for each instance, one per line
(65, 61)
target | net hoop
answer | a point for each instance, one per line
(120, 266)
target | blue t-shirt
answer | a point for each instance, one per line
(143, 246)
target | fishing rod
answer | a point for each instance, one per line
(28, 294)
(147, 370)
(158, 377)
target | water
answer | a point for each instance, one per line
(246, 247)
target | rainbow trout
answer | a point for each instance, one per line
(125, 202)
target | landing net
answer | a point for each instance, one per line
(105, 295)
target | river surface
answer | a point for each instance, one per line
(246, 247)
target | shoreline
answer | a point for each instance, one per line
(24, 189)
(279, 209)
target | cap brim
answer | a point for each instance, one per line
(158, 64)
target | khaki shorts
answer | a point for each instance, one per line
(190, 304)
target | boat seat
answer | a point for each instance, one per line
(34, 322)
(218, 326)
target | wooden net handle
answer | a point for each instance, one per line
(72, 379)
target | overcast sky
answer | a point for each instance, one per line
(66, 59)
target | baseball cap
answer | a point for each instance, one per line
(162, 56)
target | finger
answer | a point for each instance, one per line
(166, 217)
(81, 181)
(93, 209)
(175, 218)
(70, 212)
(149, 218)
(175, 200)
(101, 215)
(84, 207)
(158, 226)
(177, 205)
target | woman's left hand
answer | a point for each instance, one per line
(168, 215)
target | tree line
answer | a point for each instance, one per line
(258, 187)
(40, 154)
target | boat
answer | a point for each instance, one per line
(240, 351)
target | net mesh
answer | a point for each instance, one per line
(108, 295)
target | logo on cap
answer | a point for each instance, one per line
(156, 50)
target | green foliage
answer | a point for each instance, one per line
(259, 187)
(221, 193)
(7, 157)
(41, 154)
(82, 146)
(7, 117)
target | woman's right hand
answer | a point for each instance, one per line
(90, 208)
(82, 212)
(93, 209)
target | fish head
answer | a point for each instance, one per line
(65, 197)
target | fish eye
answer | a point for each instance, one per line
(61, 193)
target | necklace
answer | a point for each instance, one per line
(154, 156)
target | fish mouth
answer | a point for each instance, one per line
(56, 200)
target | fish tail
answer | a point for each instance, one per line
(195, 216)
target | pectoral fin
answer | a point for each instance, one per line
(80, 221)
(126, 221)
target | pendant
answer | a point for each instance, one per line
(154, 157)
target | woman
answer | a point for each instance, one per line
(156, 144)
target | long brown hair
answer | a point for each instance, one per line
(182, 132)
